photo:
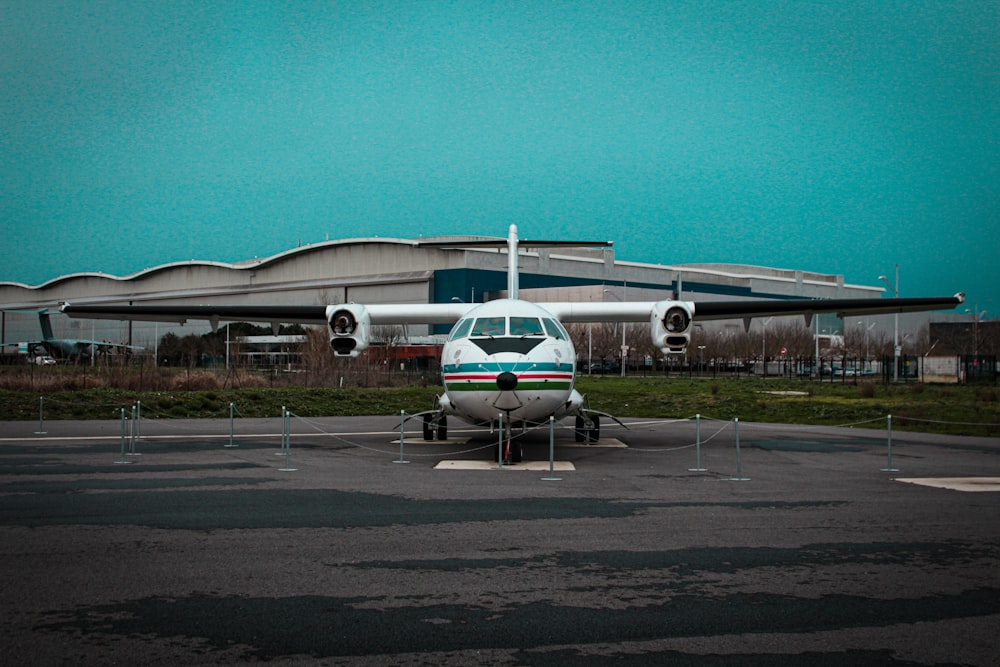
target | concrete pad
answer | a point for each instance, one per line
(956, 483)
(536, 466)
(603, 442)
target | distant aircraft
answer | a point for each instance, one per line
(509, 363)
(67, 349)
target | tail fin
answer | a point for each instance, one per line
(512, 282)
(512, 244)
(43, 319)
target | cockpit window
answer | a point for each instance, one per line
(555, 329)
(490, 326)
(461, 329)
(526, 326)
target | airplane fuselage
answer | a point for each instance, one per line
(512, 358)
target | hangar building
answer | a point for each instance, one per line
(387, 270)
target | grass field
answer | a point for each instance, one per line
(957, 409)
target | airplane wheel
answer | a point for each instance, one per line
(578, 432)
(514, 453)
(594, 433)
(428, 428)
(443, 428)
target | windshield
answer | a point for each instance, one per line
(461, 329)
(490, 326)
(526, 326)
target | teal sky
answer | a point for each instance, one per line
(840, 137)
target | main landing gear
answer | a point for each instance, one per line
(588, 428)
(435, 425)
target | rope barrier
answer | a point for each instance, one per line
(131, 431)
(936, 421)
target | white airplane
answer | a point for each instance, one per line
(509, 362)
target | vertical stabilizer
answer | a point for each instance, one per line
(43, 319)
(512, 263)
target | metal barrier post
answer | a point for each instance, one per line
(552, 452)
(123, 460)
(888, 425)
(41, 416)
(281, 452)
(739, 458)
(231, 443)
(131, 433)
(697, 445)
(500, 443)
(286, 440)
(138, 419)
(402, 435)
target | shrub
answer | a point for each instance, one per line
(196, 382)
(987, 395)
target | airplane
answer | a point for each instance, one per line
(70, 349)
(509, 363)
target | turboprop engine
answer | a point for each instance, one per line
(350, 327)
(671, 326)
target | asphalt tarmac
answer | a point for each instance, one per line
(795, 547)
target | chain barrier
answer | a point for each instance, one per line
(132, 421)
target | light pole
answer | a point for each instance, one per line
(895, 327)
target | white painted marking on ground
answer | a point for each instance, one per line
(956, 483)
(537, 466)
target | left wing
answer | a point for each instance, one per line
(639, 311)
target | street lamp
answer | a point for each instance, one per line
(895, 334)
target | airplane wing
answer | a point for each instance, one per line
(449, 313)
(639, 311)
(431, 313)
(26, 345)
(722, 310)
(104, 345)
(670, 320)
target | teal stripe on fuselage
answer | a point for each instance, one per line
(539, 385)
(509, 367)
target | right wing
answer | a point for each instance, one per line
(424, 313)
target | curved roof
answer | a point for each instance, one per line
(240, 265)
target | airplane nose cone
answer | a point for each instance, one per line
(506, 381)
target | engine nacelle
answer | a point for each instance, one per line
(350, 328)
(670, 326)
